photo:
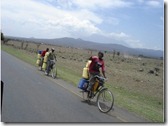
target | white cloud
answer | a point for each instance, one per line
(119, 35)
(126, 38)
(93, 4)
(150, 3)
(32, 14)
(118, 38)
(112, 20)
(52, 22)
(50, 18)
(84, 14)
(153, 3)
(67, 18)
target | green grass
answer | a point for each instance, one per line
(68, 75)
(21, 54)
(146, 106)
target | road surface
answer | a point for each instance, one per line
(30, 96)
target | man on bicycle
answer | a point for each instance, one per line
(94, 68)
(50, 63)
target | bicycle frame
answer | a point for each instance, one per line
(98, 90)
(100, 87)
(101, 99)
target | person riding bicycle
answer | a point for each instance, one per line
(94, 68)
(42, 57)
(50, 62)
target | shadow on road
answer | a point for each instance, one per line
(89, 102)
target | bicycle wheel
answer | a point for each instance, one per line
(105, 100)
(54, 71)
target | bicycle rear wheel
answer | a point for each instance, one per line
(105, 100)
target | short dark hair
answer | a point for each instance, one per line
(47, 49)
(101, 53)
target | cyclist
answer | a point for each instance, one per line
(94, 68)
(42, 57)
(50, 62)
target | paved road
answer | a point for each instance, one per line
(30, 96)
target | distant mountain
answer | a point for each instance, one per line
(79, 43)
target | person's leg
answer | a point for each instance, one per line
(91, 81)
(41, 62)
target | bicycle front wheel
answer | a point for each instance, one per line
(105, 100)
(54, 71)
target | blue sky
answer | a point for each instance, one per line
(133, 23)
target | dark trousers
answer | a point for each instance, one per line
(49, 66)
(92, 80)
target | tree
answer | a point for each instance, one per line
(5, 40)
(118, 53)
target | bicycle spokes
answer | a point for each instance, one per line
(105, 101)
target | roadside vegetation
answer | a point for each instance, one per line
(136, 82)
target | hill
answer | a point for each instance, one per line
(79, 43)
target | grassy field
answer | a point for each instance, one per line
(130, 79)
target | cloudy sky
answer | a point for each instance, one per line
(134, 23)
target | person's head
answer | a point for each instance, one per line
(100, 55)
(47, 49)
(52, 49)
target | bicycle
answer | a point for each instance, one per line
(52, 69)
(105, 98)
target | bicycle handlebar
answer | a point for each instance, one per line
(101, 78)
(53, 60)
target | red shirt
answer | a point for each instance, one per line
(43, 53)
(96, 64)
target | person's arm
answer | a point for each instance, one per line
(103, 70)
(55, 57)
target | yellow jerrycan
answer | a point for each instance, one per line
(45, 61)
(85, 73)
(38, 62)
(95, 86)
(46, 57)
(38, 58)
(44, 66)
(88, 63)
(47, 53)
